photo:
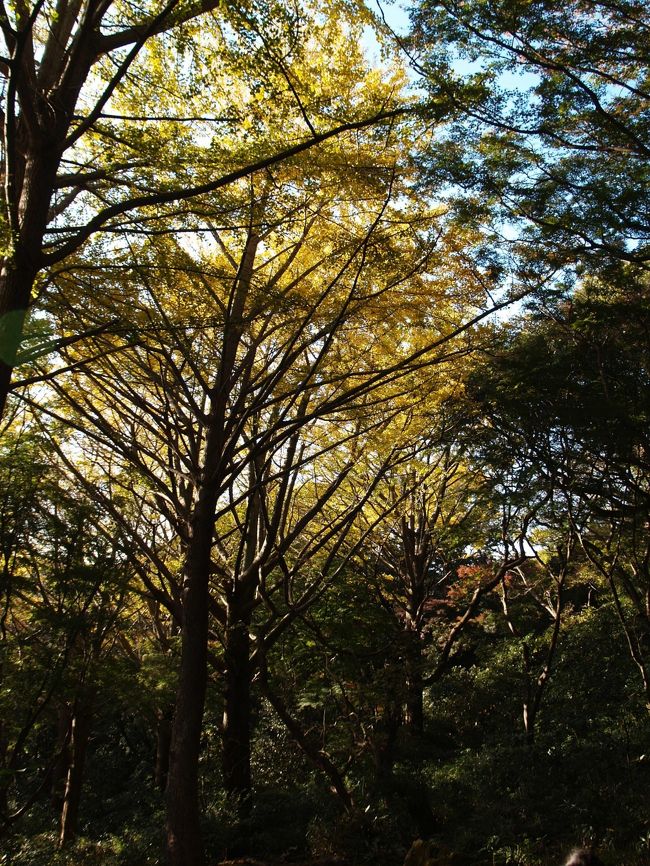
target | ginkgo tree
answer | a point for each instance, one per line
(112, 113)
(239, 363)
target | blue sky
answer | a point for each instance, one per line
(395, 14)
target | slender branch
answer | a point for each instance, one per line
(182, 194)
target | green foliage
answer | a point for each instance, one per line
(132, 847)
(361, 501)
(556, 145)
(581, 780)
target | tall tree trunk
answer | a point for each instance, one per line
(536, 690)
(184, 842)
(163, 745)
(238, 674)
(414, 686)
(63, 757)
(4, 785)
(79, 733)
(384, 745)
(16, 281)
(33, 181)
(236, 734)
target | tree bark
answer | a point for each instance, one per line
(414, 686)
(16, 281)
(63, 759)
(163, 745)
(236, 734)
(184, 843)
(79, 734)
(35, 176)
(4, 785)
(383, 746)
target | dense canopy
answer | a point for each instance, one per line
(324, 412)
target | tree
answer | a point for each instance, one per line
(67, 64)
(544, 584)
(226, 411)
(64, 583)
(570, 387)
(418, 553)
(555, 135)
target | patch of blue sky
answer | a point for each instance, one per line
(517, 82)
(395, 14)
